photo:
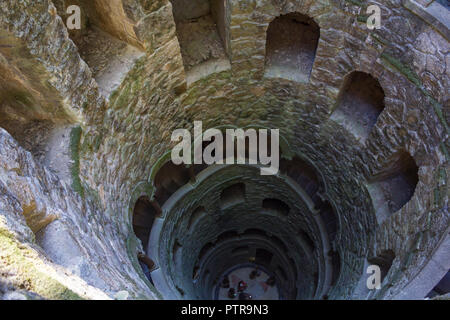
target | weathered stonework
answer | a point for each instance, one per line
(124, 135)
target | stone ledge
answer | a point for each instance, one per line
(434, 14)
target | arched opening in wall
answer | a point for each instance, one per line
(263, 257)
(203, 33)
(442, 288)
(306, 239)
(305, 176)
(169, 179)
(279, 243)
(195, 216)
(384, 260)
(205, 250)
(291, 47)
(241, 250)
(142, 220)
(255, 232)
(106, 40)
(276, 206)
(360, 103)
(143, 217)
(176, 250)
(330, 220)
(336, 265)
(394, 186)
(227, 235)
(232, 196)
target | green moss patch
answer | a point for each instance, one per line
(406, 71)
(445, 151)
(362, 18)
(355, 2)
(24, 263)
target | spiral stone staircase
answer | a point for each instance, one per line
(86, 118)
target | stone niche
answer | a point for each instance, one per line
(107, 15)
(168, 180)
(384, 260)
(360, 103)
(202, 31)
(232, 196)
(143, 217)
(394, 185)
(106, 41)
(275, 206)
(291, 47)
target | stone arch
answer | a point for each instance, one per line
(394, 185)
(207, 247)
(109, 16)
(276, 206)
(168, 180)
(256, 235)
(291, 46)
(309, 243)
(240, 250)
(383, 260)
(360, 103)
(144, 215)
(227, 235)
(305, 175)
(203, 34)
(232, 195)
(106, 41)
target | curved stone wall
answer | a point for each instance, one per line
(238, 216)
(124, 137)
